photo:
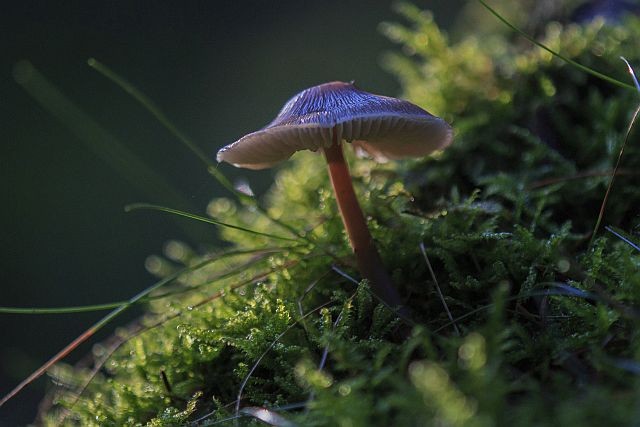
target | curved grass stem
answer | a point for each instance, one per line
(140, 206)
(553, 52)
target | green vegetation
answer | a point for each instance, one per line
(546, 326)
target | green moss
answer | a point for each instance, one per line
(548, 326)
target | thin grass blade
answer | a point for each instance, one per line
(440, 294)
(553, 52)
(141, 206)
(112, 305)
(633, 73)
(60, 310)
(623, 236)
(613, 176)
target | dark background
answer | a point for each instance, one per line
(218, 69)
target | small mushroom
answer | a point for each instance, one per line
(323, 116)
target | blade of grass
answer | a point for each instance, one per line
(112, 305)
(617, 166)
(60, 310)
(618, 233)
(440, 294)
(578, 176)
(633, 73)
(553, 52)
(141, 206)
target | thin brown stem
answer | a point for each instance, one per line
(367, 257)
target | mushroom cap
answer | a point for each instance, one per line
(384, 127)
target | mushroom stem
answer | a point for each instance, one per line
(367, 257)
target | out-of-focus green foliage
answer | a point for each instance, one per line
(549, 328)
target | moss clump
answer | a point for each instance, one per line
(548, 326)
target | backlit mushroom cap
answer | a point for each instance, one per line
(384, 127)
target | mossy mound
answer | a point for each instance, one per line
(546, 326)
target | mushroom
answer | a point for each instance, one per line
(323, 116)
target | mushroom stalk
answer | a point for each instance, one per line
(367, 257)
